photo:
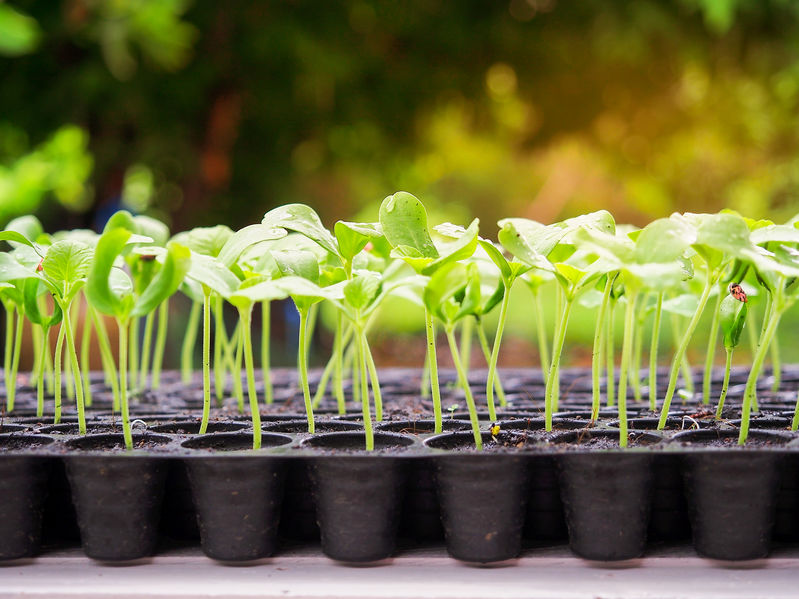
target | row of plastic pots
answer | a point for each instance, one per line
(610, 496)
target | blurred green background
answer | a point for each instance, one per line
(213, 112)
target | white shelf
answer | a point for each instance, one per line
(540, 573)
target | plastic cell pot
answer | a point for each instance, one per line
(358, 493)
(483, 495)
(731, 491)
(23, 488)
(237, 493)
(117, 494)
(606, 492)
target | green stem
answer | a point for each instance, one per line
(237, 383)
(497, 382)
(11, 389)
(541, 332)
(363, 352)
(106, 355)
(303, 362)
(246, 317)
(425, 386)
(432, 366)
(453, 348)
(554, 368)
(85, 355)
(751, 323)
(69, 339)
(494, 359)
(9, 346)
(133, 357)
(266, 368)
(626, 350)
(123, 382)
(40, 373)
(187, 349)
(146, 349)
(220, 339)
(57, 361)
(725, 385)
(338, 379)
(206, 363)
(680, 352)
(596, 354)
(610, 355)
(653, 354)
(757, 366)
(375, 382)
(638, 342)
(160, 343)
(711, 349)
(36, 339)
(776, 363)
(467, 334)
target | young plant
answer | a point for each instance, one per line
(111, 291)
(733, 310)
(545, 247)
(451, 294)
(403, 220)
(649, 262)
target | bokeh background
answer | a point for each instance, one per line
(214, 112)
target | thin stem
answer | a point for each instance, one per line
(133, 357)
(85, 355)
(555, 396)
(541, 331)
(494, 359)
(187, 349)
(206, 363)
(653, 354)
(680, 352)
(12, 376)
(776, 363)
(757, 366)
(596, 354)
(69, 339)
(554, 368)
(9, 346)
(146, 349)
(638, 342)
(36, 339)
(238, 391)
(266, 369)
(109, 366)
(303, 362)
(432, 366)
(338, 351)
(711, 349)
(487, 352)
(363, 356)
(725, 385)
(751, 323)
(626, 350)
(40, 373)
(375, 382)
(453, 348)
(123, 382)
(246, 332)
(220, 339)
(160, 343)
(57, 361)
(610, 357)
(467, 333)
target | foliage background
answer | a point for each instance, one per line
(207, 112)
